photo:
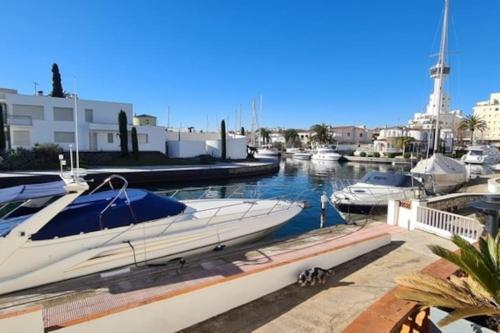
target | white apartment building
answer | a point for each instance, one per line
(489, 111)
(32, 119)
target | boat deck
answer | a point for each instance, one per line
(78, 300)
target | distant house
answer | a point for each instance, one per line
(144, 120)
(32, 119)
(355, 135)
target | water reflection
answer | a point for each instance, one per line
(297, 179)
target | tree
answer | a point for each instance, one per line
(57, 89)
(403, 141)
(321, 134)
(477, 294)
(291, 136)
(223, 139)
(265, 136)
(122, 127)
(2, 131)
(242, 130)
(135, 143)
(473, 123)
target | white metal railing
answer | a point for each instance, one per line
(447, 224)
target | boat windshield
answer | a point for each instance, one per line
(389, 179)
(476, 152)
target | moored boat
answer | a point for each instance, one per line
(52, 232)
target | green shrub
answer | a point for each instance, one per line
(376, 154)
(390, 155)
(407, 155)
(362, 154)
(206, 159)
(18, 159)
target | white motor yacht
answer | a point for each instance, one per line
(326, 154)
(440, 174)
(302, 155)
(51, 232)
(372, 192)
(482, 155)
(267, 152)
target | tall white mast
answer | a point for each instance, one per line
(252, 140)
(75, 116)
(439, 73)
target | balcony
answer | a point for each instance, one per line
(20, 120)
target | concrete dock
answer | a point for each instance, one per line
(153, 174)
(331, 308)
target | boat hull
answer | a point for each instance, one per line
(198, 230)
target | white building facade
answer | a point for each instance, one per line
(185, 144)
(37, 119)
(489, 111)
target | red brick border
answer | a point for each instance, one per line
(389, 313)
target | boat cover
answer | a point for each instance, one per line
(83, 215)
(439, 164)
(31, 191)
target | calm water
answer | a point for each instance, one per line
(304, 180)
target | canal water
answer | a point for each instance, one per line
(296, 179)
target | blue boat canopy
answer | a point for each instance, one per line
(31, 191)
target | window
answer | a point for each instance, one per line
(63, 114)
(89, 115)
(360, 135)
(33, 111)
(110, 137)
(348, 134)
(21, 138)
(64, 137)
(142, 139)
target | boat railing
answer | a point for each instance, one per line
(285, 201)
(121, 192)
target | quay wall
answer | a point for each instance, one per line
(141, 177)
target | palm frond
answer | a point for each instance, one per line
(468, 312)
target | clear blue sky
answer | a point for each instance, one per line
(339, 62)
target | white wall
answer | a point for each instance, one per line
(185, 149)
(195, 144)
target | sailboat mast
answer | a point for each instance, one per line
(439, 72)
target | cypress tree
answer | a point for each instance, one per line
(122, 127)
(223, 139)
(135, 144)
(242, 131)
(2, 131)
(57, 89)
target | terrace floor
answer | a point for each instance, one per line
(331, 307)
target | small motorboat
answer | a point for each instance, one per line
(302, 155)
(326, 154)
(482, 155)
(52, 232)
(372, 192)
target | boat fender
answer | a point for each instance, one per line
(219, 247)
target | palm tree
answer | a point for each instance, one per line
(403, 141)
(478, 294)
(265, 136)
(291, 136)
(321, 134)
(473, 123)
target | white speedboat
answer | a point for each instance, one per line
(302, 155)
(482, 155)
(268, 152)
(372, 192)
(54, 232)
(293, 150)
(326, 154)
(440, 174)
